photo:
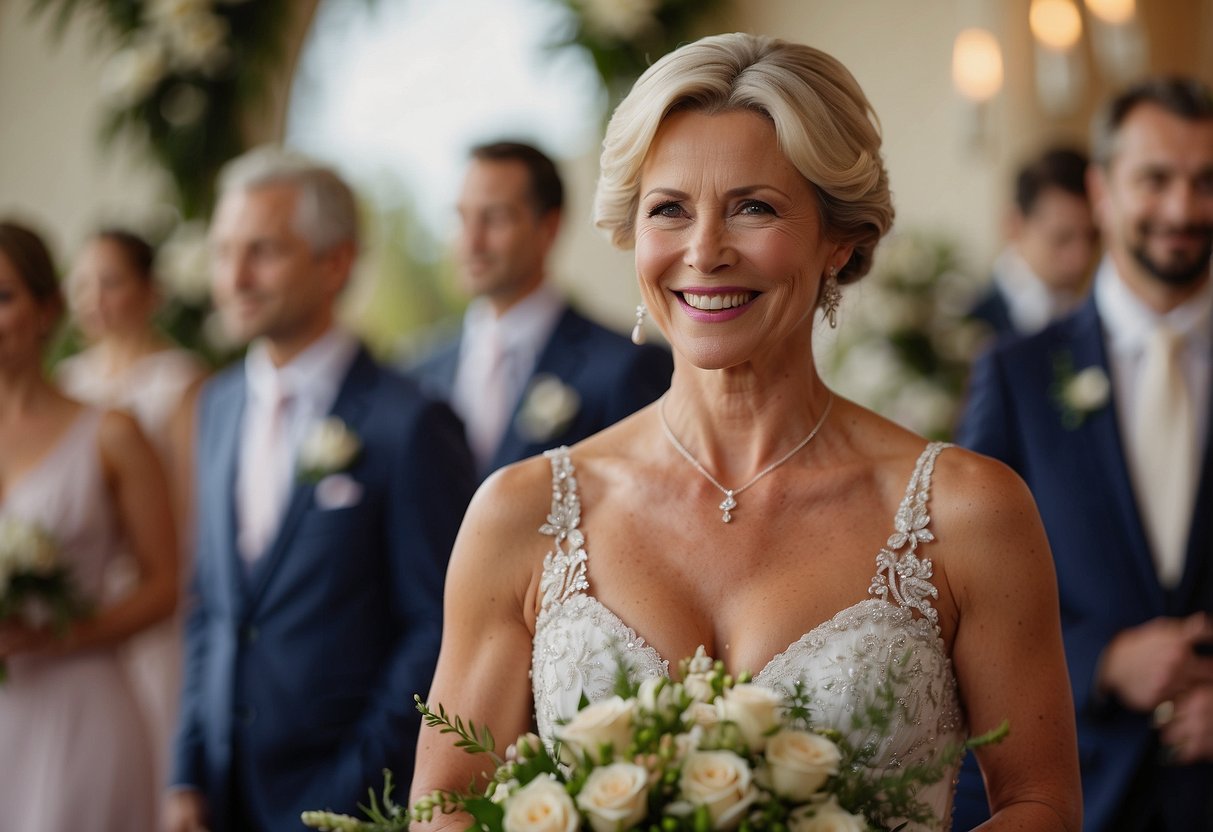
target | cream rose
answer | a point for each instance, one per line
(754, 710)
(721, 781)
(657, 694)
(540, 806)
(800, 762)
(698, 686)
(703, 714)
(615, 797)
(604, 723)
(826, 817)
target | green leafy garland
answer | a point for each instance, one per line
(183, 76)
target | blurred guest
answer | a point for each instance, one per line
(1043, 272)
(529, 373)
(1106, 415)
(77, 752)
(132, 366)
(332, 491)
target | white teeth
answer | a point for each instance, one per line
(712, 303)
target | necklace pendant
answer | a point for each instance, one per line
(727, 505)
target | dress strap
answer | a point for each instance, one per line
(564, 568)
(900, 572)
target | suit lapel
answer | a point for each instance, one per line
(224, 449)
(562, 356)
(1197, 564)
(349, 407)
(1102, 433)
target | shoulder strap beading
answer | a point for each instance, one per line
(900, 572)
(564, 568)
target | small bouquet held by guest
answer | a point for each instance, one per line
(35, 588)
(708, 753)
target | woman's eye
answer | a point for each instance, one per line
(666, 209)
(753, 206)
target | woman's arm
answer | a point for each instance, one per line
(485, 660)
(1008, 650)
(137, 485)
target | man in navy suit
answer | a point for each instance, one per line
(328, 495)
(1125, 488)
(527, 372)
(1042, 273)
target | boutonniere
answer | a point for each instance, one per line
(328, 448)
(1078, 394)
(547, 408)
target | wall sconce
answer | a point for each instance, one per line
(1112, 12)
(977, 75)
(1117, 39)
(1057, 28)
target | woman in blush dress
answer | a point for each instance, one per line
(132, 366)
(750, 510)
(79, 759)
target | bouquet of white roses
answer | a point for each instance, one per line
(35, 588)
(707, 753)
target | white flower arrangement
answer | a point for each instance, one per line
(1078, 394)
(708, 753)
(330, 447)
(548, 407)
(35, 587)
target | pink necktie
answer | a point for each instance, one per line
(489, 411)
(267, 478)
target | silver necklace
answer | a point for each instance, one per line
(729, 503)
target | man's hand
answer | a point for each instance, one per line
(1156, 662)
(1188, 733)
(184, 811)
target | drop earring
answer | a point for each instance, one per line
(638, 336)
(831, 296)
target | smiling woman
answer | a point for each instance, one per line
(747, 173)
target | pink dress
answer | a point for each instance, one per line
(150, 390)
(76, 755)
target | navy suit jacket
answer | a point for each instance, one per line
(992, 309)
(612, 376)
(1105, 573)
(300, 675)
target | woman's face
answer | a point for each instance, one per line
(25, 323)
(107, 295)
(730, 247)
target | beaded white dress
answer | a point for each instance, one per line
(890, 639)
(76, 753)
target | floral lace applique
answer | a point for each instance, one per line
(564, 570)
(900, 572)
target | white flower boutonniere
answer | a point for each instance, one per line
(1078, 394)
(547, 409)
(328, 448)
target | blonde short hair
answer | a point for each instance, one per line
(823, 123)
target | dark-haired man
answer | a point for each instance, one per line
(1106, 415)
(528, 373)
(1042, 273)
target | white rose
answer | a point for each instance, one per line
(615, 797)
(703, 714)
(826, 817)
(604, 723)
(540, 806)
(698, 686)
(547, 409)
(1088, 390)
(800, 763)
(657, 693)
(499, 793)
(721, 781)
(753, 709)
(330, 446)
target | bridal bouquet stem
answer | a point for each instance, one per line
(35, 588)
(708, 753)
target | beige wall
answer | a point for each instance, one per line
(52, 171)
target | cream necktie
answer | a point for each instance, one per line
(267, 477)
(1164, 453)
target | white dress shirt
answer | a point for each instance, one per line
(1128, 323)
(312, 380)
(1031, 303)
(523, 332)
